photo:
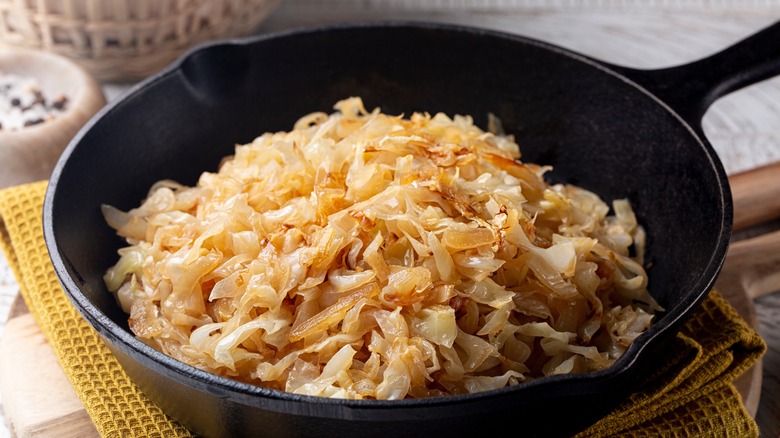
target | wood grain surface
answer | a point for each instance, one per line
(742, 127)
(756, 195)
(39, 400)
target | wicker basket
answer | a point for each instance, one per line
(126, 40)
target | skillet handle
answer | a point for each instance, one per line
(690, 89)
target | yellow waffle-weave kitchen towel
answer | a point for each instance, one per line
(691, 394)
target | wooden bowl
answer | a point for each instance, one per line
(29, 154)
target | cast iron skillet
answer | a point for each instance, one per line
(617, 131)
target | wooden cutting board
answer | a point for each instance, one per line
(38, 399)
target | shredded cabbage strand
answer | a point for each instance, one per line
(369, 256)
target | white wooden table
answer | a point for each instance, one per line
(744, 127)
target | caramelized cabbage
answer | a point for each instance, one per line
(369, 256)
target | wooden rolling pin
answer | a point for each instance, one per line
(756, 195)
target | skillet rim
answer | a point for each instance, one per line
(239, 391)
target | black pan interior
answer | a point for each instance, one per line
(596, 129)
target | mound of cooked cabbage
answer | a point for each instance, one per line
(369, 256)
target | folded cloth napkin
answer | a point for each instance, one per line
(691, 393)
